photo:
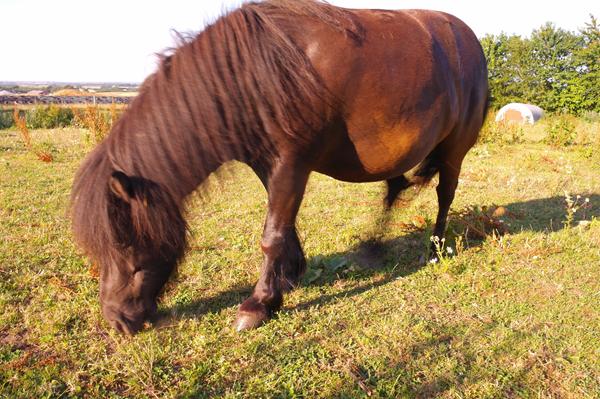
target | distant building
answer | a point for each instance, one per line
(36, 93)
(521, 113)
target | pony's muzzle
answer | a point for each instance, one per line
(128, 325)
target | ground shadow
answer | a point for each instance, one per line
(394, 258)
(548, 214)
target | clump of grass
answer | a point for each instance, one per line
(21, 125)
(561, 133)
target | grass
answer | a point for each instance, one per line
(510, 315)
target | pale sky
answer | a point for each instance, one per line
(115, 40)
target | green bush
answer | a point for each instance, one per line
(561, 133)
(49, 117)
(6, 119)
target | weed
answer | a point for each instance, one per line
(97, 121)
(481, 222)
(572, 205)
(442, 251)
(516, 134)
(588, 152)
(591, 116)
(21, 124)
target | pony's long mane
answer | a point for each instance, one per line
(220, 96)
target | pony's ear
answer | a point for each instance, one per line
(120, 185)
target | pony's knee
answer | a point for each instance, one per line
(272, 244)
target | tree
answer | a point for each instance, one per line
(584, 87)
(506, 67)
(553, 65)
(553, 68)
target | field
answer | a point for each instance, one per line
(511, 310)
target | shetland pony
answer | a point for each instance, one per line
(288, 87)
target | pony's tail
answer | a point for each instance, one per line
(421, 177)
(426, 170)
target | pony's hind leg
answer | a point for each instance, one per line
(284, 260)
(445, 193)
(449, 171)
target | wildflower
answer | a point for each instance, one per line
(449, 250)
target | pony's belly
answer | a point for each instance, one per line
(373, 158)
(394, 151)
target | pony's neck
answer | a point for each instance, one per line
(232, 93)
(188, 119)
(154, 140)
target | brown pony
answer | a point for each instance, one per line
(287, 87)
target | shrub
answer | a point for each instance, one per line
(49, 117)
(561, 133)
(501, 132)
(6, 119)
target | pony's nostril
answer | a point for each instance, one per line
(124, 323)
(121, 326)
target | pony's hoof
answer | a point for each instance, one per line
(252, 314)
(249, 321)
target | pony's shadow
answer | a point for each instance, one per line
(390, 258)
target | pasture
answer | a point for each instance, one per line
(511, 310)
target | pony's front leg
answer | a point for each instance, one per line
(284, 260)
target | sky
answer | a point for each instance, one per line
(116, 40)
